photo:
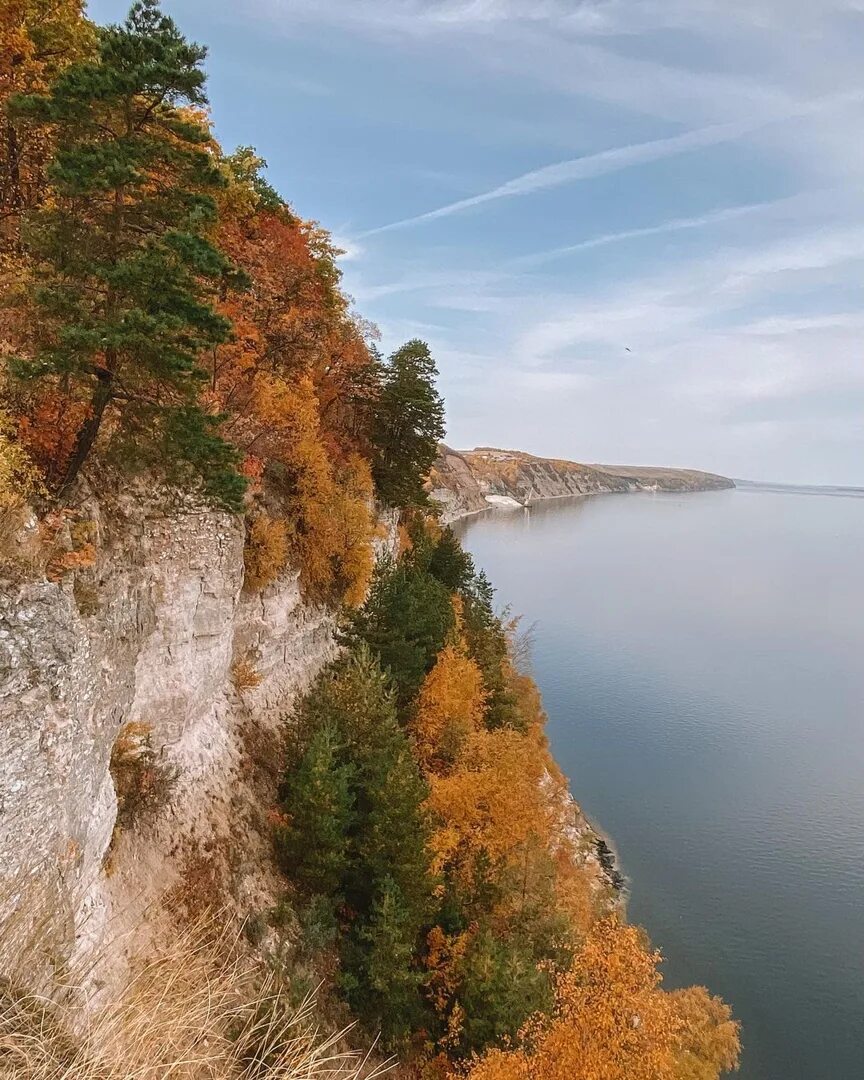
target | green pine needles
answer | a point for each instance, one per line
(126, 273)
(409, 424)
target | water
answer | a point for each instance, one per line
(701, 658)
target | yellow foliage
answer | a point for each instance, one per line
(19, 477)
(331, 525)
(266, 551)
(450, 707)
(709, 1038)
(612, 1021)
(492, 802)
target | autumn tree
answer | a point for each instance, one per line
(611, 1021)
(126, 271)
(450, 707)
(709, 1041)
(408, 425)
(38, 38)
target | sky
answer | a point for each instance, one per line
(631, 231)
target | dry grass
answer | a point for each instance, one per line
(244, 675)
(199, 1011)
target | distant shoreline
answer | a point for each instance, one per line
(800, 489)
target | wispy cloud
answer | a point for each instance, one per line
(583, 168)
(700, 221)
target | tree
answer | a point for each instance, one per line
(408, 425)
(317, 797)
(405, 622)
(450, 706)
(126, 273)
(450, 563)
(709, 1042)
(502, 984)
(487, 644)
(381, 974)
(38, 38)
(357, 833)
(611, 1021)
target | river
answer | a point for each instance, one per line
(701, 658)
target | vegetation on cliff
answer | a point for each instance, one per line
(167, 314)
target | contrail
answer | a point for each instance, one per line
(622, 157)
(673, 225)
(583, 168)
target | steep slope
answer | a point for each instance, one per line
(465, 482)
(157, 636)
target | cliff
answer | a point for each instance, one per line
(465, 482)
(158, 633)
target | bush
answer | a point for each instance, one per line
(244, 675)
(143, 782)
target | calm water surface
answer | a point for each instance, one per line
(702, 662)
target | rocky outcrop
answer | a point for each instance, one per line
(465, 482)
(152, 634)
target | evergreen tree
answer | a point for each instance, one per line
(391, 830)
(488, 646)
(405, 621)
(408, 425)
(381, 976)
(502, 984)
(317, 796)
(126, 273)
(450, 563)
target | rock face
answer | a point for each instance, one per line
(149, 635)
(465, 482)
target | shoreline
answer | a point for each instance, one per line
(452, 518)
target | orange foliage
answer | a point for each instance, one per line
(612, 1021)
(450, 707)
(265, 553)
(709, 1038)
(492, 802)
(289, 381)
(37, 39)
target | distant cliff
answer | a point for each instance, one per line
(464, 482)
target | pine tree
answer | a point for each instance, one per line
(450, 564)
(382, 978)
(317, 797)
(126, 272)
(408, 425)
(391, 831)
(405, 622)
(488, 646)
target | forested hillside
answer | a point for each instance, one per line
(169, 320)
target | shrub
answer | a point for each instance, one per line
(244, 675)
(143, 783)
(266, 551)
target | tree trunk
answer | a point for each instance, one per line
(89, 429)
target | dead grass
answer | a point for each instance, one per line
(199, 1011)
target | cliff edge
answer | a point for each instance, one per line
(464, 482)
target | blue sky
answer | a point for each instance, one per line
(538, 186)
